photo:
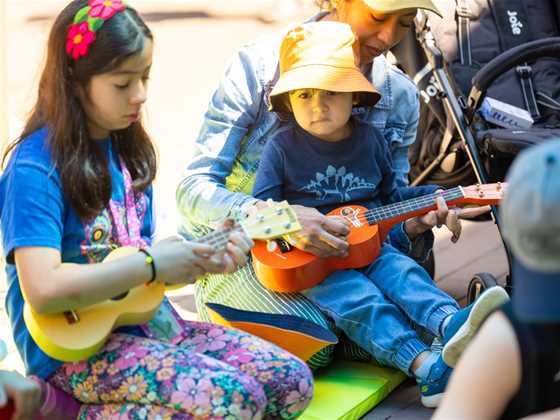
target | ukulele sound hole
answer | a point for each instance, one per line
(283, 245)
(120, 297)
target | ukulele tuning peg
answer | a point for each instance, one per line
(481, 194)
(478, 187)
(279, 212)
(268, 230)
(260, 218)
(288, 226)
(499, 186)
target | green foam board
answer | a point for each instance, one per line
(349, 390)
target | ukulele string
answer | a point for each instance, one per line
(397, 209)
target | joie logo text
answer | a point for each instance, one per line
(514, 22)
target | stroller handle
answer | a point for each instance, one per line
(530, 51)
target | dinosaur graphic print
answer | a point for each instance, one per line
(336, 183)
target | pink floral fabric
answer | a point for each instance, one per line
(217, 373)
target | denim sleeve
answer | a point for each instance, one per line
(399, 153)
(269, 180)
(202, 197)
(420, 247)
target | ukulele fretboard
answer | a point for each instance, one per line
(402, 208)
(218, 239)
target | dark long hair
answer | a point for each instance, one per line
(83, 168)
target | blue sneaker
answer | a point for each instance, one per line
(464, 324)
(436, 346)
(433, 387)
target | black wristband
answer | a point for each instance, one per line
(149, 260)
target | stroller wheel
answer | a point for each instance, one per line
(479, 283)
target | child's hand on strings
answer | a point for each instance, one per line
(237, 248)
(180, 261)
(321, 235)
(443, 215)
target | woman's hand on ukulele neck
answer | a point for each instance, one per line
(443, 215)
(237, 248)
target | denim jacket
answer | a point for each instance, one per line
(219, 179)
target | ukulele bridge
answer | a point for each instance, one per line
(351, 214)
(71, 317)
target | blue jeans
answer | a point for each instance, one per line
(377, 306)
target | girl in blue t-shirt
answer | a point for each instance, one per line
(77, 185)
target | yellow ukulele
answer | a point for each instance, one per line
(76, 335)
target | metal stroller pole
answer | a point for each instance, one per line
(454, 107)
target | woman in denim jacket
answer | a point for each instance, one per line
(219, 179)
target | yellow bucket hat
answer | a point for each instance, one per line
(320, 55)
(387, 6)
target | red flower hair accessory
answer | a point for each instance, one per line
(87, 22)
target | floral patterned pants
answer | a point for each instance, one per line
(216, 373)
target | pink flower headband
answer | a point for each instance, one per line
(87, 22)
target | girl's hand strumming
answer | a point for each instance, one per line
(181, 261)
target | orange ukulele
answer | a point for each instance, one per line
(289, 269)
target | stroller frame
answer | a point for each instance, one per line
(463, 111)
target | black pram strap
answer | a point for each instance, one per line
(513, 30)
(463, 16)
(525, 74)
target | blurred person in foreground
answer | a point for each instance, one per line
(19, 396)
(512, 367)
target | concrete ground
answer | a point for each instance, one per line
(194, 41)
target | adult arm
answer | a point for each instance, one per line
(547, 415)
(399, 150)
(487, 376)
(202, 196)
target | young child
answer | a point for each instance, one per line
(512, 367)
(348, 162)
(77, 185)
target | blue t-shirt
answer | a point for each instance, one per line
(302, 169)
(35, 212)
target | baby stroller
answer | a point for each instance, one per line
(504, 50)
